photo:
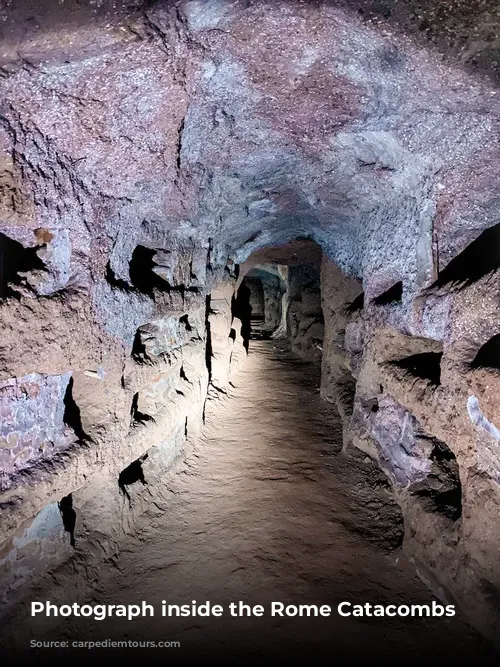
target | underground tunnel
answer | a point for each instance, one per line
(249, 295)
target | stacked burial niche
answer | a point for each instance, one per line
(389, 387)
(98, 394)
(117, 321)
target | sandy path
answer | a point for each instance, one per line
(270, 510)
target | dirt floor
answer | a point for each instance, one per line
(269, 509)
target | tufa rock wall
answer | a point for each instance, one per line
(416, 378)
(88, 435)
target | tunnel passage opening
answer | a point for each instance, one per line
(256, 298)
(16, 260)
(131, 475)
(288, 275)
(68, 516)
(266, 299)
(488, 355)
(479, 258)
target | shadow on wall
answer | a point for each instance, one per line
(15, 262)
(72, 416)
(488, 355)
(393, 295)
(131, 475)
(242, 309)
(68, 516)
(479, 258)
(356, 305)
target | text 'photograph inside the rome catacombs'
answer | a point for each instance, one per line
(250, 330)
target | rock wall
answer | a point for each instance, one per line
(89, 430)
(149, 148)
(305, 315)
(273, 302)
(341, 299)
(415, 378)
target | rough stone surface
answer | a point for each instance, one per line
(32, 426)
(258, 514)
(36, 547)
(153, 154)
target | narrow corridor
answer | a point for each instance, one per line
(269, 509)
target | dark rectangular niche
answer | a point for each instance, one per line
(479, 258)
(488, 355)
(16, 260)
(393, 295)
(141, 270)
(356, 305)
(131, 475)
(426, 366)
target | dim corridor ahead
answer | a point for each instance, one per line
(269, 509)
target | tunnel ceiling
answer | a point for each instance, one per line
(370, 127)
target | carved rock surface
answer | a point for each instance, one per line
(153, 155)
